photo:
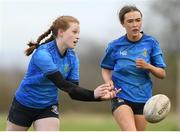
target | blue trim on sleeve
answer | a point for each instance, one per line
(106, 67)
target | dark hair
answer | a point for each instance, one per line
(62, 22)
(126, 9)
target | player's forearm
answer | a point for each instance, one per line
(73, 90)
(106, 74)
(156, 71)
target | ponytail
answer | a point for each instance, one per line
(35, 45)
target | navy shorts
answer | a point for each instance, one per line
(137, 108)
(25, 116)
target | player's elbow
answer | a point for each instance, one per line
(162, 75)
(73, 96)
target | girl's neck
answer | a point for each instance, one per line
(61, 47)
(135, 38)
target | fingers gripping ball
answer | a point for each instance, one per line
(157, 108)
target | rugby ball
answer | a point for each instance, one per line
(156, 108)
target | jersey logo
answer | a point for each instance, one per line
(55, 109)
(120, 100)
(123, 53)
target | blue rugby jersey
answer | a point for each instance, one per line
(35, 90)
(120, 57)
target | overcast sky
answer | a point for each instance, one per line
(24, 20)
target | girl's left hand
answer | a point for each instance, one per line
(141, 63)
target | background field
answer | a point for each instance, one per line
(100, 122)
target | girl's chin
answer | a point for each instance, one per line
(136, 34)
(72, 47)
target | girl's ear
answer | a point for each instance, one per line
(60, 32)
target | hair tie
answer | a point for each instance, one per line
(37, 45)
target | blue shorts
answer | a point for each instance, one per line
(25, 116)
(137, 108)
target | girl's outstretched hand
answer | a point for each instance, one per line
(105, 92)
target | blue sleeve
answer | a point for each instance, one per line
(43, 60)
(108, 59)
(157, 56)
(74, 73)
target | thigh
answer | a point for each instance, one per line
(138, 115)
(19, 116)
(140, 122)
(125, 118)
(48, 119)
(47, 124)
(13, 127)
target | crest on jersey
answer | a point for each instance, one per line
(145, 52)
(66, 68)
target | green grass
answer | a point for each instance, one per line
(96, 122)
(99, 122)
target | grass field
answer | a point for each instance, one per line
(99, 122)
